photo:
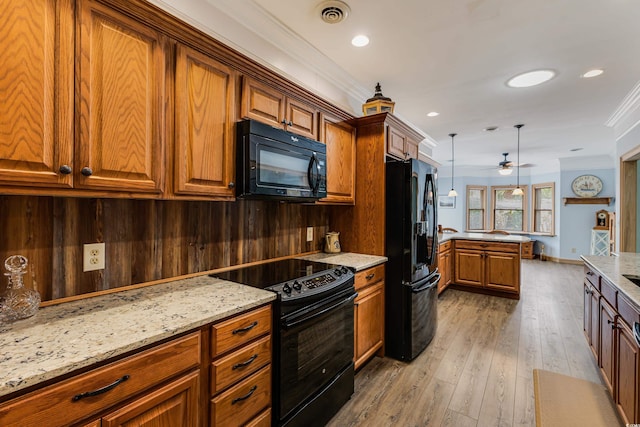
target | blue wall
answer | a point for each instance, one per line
(573, 223)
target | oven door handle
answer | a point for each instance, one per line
(287, 324)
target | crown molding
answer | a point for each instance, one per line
(627, 115)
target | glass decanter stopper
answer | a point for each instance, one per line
(17, 302)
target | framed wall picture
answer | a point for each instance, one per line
(446, 202)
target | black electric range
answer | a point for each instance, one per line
(312, 337)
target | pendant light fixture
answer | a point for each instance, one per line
(518, 191)
(452, 192)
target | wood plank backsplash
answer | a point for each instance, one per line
(146, 239)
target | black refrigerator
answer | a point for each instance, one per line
(411, 283)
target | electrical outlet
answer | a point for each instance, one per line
(309, 234)
(573, 250)
(93, 258)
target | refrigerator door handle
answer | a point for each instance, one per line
(430, 283)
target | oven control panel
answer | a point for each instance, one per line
(314, 284)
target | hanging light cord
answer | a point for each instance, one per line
(518, 159)
(452, 159)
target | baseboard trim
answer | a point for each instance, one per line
(563, 260)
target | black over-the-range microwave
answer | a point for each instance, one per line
(278, 165)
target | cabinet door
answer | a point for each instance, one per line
(628, 368)
(369, 322)
(396, 142)
(448, 268)
(205, 149)
(411, 149)
(502, 271)
(263, 103)
(301, 118)
(175, 404)
(340, 139)
(586, 311)
(122, 98)
(36, 107)
(595, 323)
(469, 268)
(606, 359)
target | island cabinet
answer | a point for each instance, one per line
(445, 265)
(122, 97)
(340, 138)
(241, 370)
(37, 86)
(269, 105)
(204, 116)
(369, 315)
(160, 386)
(489, 266)
(609, 319)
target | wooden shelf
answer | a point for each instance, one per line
(587, 200)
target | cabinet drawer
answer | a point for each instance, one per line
(142, 371)
(592, 277)
(244, 401)
(609, 292)
(262, 420)
(444, 246)
(231, 368)
(488, 246)
(369, 276)
(627, 312)
(239, 330)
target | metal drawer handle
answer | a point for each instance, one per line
(248, 328)
(589, 273)
(247, 362)
(246, 396)
(100, 390)
(370, 276)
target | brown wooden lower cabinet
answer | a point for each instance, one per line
(608, 324)
(445, 265)
(369, 315)
(164, 385)
(488, 266)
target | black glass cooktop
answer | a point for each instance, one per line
(272, 273)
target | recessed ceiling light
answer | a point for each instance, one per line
(531, 78)
(593, 73)
(575, 149)
(433, 114)
(360, 40)
(490, 129)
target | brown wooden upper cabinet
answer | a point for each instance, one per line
(122, 116)
(340, 138)
(400, 145)
(270, 106)
(36, 108)
(205, 145)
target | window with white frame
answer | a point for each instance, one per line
(543, 207)
(508, 212)
(476, 207)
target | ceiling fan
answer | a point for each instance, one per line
(505, 167)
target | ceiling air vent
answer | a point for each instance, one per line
(333, 11)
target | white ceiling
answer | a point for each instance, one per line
(454, 57)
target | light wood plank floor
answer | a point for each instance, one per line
(478, 370)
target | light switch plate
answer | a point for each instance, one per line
(309, 234)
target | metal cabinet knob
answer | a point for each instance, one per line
(65, 169)
(232, 185)
(86, 171)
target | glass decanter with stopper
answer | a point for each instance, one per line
(17, 302)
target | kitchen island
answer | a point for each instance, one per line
(611, 318)
(481, 262)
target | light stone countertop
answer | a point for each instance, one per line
(613, 268)
(510, 238)
(348, 259)
(63, 338)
